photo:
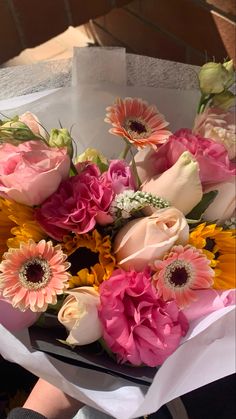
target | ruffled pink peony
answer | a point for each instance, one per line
(212, 157)
(31, 171)
(139, 326)
(120, 176)
(77, 205)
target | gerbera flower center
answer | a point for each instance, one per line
(35, 273)
(137, 128)
(178, 274)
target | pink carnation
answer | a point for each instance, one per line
(120, 176)
(139, 326)
(212, 157)
(77, 205)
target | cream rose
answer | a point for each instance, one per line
(144, 164)
(79, 315)
(142, 241)
(224, 205)
(180, 185)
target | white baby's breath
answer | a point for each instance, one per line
(128, 202)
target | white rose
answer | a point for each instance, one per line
(79, 315)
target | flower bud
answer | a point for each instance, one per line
(229, 66)
(215, 77)
(91, 154)
(61, 138)
(224, 100)
(14, 131)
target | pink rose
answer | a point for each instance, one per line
(137, 325)
(31, 171)
(218, 125)
(213, 160)
(32, 122)
(77, 205)
(120, 176)
(13, 319)
(145, 239)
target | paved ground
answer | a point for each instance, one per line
(56, 48)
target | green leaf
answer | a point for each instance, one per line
(201, 207)
(107, 349)
(41, 321)
(102, 166)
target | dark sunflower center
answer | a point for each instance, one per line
(210, 243)
(82, 258)
(137, 126)
(34, 273)
(179, 277)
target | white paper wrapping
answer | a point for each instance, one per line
(208, 352)
(83, 109)
(99, 65)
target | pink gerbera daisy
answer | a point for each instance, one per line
(139, 123)
(182, 271)
(33, 275)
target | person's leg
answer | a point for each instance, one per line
(50, 402)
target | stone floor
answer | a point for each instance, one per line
(56, 48)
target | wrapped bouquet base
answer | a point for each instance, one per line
(134, 254)
(182, 372)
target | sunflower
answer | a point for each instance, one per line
(18, 225)
(219, 247)
(6, 226)
(90, 257)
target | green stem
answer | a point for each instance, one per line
(125, 151)
(203, 102)
(73, 169)
(135, 172)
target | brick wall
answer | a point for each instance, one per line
(27, 23)
(190, 31)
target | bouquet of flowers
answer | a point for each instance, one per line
(125, 252)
